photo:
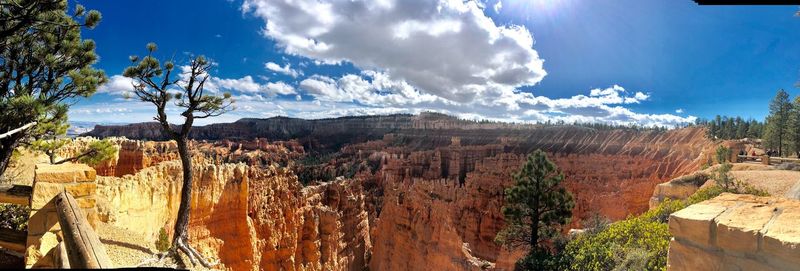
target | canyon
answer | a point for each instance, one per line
(397, 192)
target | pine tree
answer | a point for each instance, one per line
(94, 154)
(43, 63)
(156, 84)
(778, 122)
(536, 206)
(755, 129)
(741, 128)
(794, 126)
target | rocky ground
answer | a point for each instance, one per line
(126, 248)
(777, 182)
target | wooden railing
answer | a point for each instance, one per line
(81, 247)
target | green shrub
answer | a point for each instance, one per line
(631, 259)
(541, 259)
(14, 217)
(162, 243)
(722, 154)
(636, 243)
(602, 251)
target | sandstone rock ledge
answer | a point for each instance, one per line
(736, 232)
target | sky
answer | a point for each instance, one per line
(642, 62)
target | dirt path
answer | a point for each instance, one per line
(780, 183)
(124, 247)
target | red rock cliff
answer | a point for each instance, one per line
(437, 203)
(426, 197)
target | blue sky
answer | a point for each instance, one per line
(645, 62)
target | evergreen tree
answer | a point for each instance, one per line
(741, 128)
(794, 126)
(43, 63)
(95, 153)
(157, 84)
(778, 122)
(713, 128)
(754, 129)
(536, 206)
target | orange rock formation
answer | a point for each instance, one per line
(425, 197)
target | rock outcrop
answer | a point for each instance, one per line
(44, 230)
(436, 201)
(419, 193)
(679, 188)
(132, 155)
(249, 218)
(736, 232)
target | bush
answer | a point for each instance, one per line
(602, 251)
(722, 154)
(162, 243)
(540, 259)
(636, 243)
(723, 177)
(14, 217)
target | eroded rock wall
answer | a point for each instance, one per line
(322, 227)
(248, 217)
(437, 202)
(132, 155)
(426, 193)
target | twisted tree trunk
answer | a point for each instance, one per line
(182, 222)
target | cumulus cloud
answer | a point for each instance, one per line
(374, 89)
(244, 84)
(679, 110)
(117, 84)
(287, 70)
(412, 56)
(449, 49)
(241, 87)
(279, 88)
(498, 6)
(378, 93)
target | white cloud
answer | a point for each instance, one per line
(372, 91)
(498, 6)
(244, 84)
(414, 55)
(279, 88)
(449, 49)
(679, 110)
(287, 70)
(371, 94)
(117, 84)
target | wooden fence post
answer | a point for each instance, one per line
(84, 249)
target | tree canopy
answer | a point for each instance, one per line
(44, 63)
(536, 206)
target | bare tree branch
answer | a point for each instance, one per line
(24, 127)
